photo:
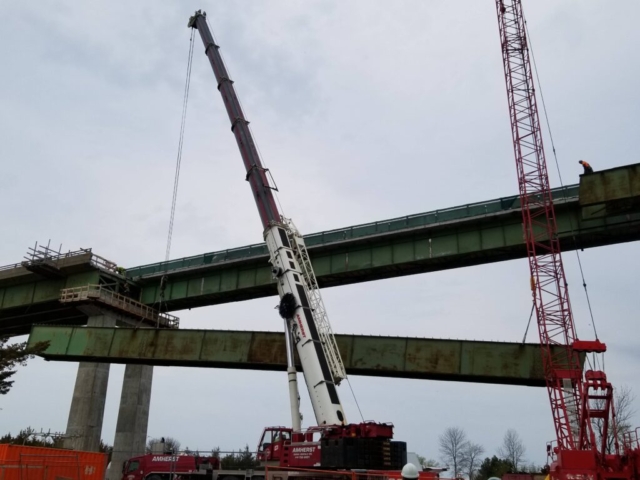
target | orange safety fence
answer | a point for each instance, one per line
(65, 466)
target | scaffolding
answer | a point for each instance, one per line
(128, 306)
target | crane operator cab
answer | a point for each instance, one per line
(272, 444)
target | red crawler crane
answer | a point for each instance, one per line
(581, 406)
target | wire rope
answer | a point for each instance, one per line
(555, 156)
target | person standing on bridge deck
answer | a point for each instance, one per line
(586, 166)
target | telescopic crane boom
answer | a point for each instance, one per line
(306, 323)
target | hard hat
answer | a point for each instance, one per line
(409, 471)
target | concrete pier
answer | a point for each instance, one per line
(133, 418)
(84, 426)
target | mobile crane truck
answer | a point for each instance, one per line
(333, 443)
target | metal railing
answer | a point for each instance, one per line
(10, 267)
(42, 253)
(98, 293)
(103, 264)
(39, 253)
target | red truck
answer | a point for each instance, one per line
(364, 446)
(283, 453)
(193, 467)
(155, 466)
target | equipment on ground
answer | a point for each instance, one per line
(582, 406)
(156, 466)
(181, 466)
(334, 442)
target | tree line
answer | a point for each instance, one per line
(464, 457)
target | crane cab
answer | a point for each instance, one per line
(272, 444)
(284, 447)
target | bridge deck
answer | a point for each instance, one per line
(603, 210)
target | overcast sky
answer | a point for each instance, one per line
(363, 110)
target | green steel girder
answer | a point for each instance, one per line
(36, 301)
(419, 358)
(607, 212)
(473, 241)
(610, 192)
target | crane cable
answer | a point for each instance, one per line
(555, 156)
(180, 144)
(185, 99)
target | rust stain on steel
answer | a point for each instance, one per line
(486, 362)
(442, 356)
(345, 347)
(378, 353)
(228, 347)
(268, 349)
(634, 180)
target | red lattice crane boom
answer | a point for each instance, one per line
(582, 407)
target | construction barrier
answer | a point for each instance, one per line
(18, 462)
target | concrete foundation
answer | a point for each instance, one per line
(84, 426)
(133, 418)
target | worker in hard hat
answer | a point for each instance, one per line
(409, 472)
(586, 166)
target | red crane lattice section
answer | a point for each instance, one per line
(555, 323)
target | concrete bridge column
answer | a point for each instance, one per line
(133, 418)
(89, 395)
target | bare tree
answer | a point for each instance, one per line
(512, 449)
(171, 445)
(623, 402)
(472, 455)
(427, 462)
(453, 443)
